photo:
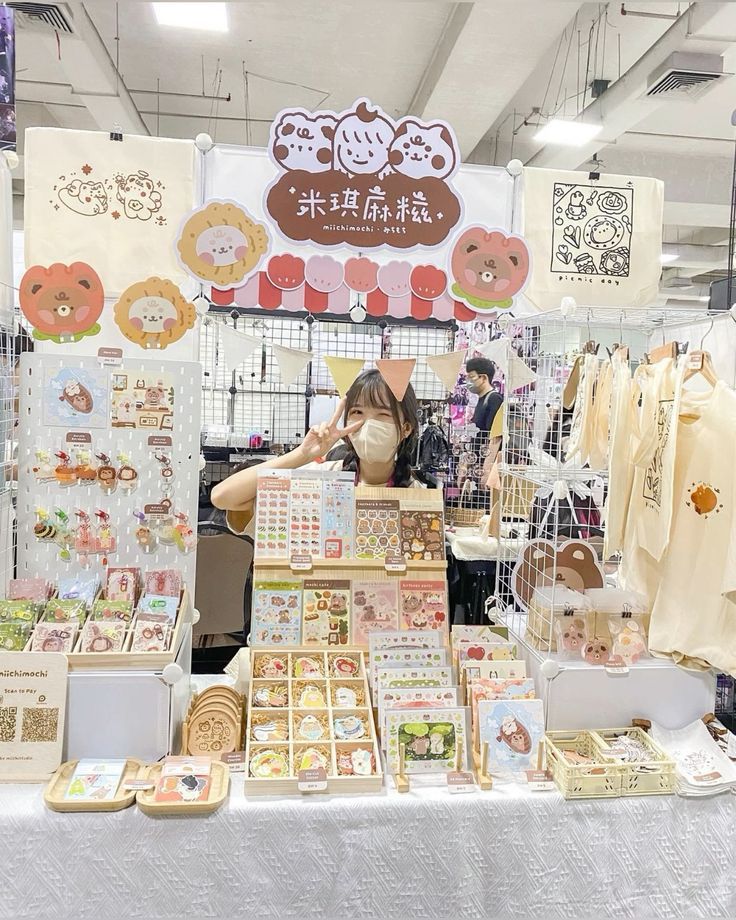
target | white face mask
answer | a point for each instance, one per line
(376, 442)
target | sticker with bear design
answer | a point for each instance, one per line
(512, 729)
(361, 178)
(153, 313)
(423, 604)
(422, 534)
(374, 608)
(326, 612)
(76, 398)
(142, 400)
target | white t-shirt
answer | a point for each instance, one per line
(694, 612)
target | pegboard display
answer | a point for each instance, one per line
(119, 408)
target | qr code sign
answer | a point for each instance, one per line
(8, 719)
(39, 724)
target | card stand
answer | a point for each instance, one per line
(59, 783)
(292, 689)
(480, 762)
(601, 777)
(656, 776)
(220, 783)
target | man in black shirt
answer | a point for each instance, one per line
(480, 373)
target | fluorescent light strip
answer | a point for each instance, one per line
(668, 257)
(207, 17)
(567, 133)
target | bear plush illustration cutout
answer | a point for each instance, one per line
(573, 564)
(489, 268)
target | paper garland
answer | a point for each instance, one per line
(397, 373)
(237, 347)
(516, 372)
(343, 371)
(291, 362)
(446, 367)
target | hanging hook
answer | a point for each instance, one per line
(708, 332)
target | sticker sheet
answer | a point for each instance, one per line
(326, 616)
(512, 729)
(467, 650)
(76, 398)
(413, 698)
(431, 739)
(142, 400)
(277, 613)
(375, 609)
(395, 678)
(95, 780)
(423, 604)
(492, 670)
(405, 658)
(422, 534)
(338, 500)
(377, 528)
(305, 527)
(272, 517)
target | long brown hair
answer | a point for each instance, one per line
(372, 390)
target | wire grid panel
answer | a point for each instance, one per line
(343, 340)
(420, 342)
(41, 558)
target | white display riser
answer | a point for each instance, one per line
(582, 696)
(128, 713)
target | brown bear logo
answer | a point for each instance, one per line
(574, 564)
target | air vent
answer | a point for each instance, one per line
(42, 17)
(685, 75)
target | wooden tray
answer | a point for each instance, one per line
(58, 784)
(218, 793)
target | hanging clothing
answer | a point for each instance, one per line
(620, 465)
(578, 446)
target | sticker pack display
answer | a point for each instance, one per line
(375, 609)
(512, 729)
(272, 517)
(338, 500)
(395, 678)
(95, 780)
(305, 516)
(423, 604)
(467, 650)
(75, 398)
(413, 698)
(277, 613)
(142, 401)
(422, 534)
(184, 779)
(377, 528)
(431, 739)
(404, 658)
(326, 617)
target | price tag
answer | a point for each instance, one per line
(159, 440)
(708, 777)
(300, 562)
(540, 780)
(157, 512)
(78, 437)
(312, 780)
(459, 781)
(395, 564)
(137, 785)
(235, 760)
(616, 666)
(110, 357)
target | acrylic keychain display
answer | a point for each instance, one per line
(127, 474)
(55, 530)
(84, 543)
(44, 469)
(86, 470)
(107, 475)
(65, 473)
(145, 535)
(106, 536)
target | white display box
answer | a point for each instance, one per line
(129, 713)
(582, 696)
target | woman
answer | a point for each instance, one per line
(380, 444)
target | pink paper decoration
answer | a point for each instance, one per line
(393, 278)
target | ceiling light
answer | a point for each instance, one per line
(668, 257)
(209, 17)
(567, 133)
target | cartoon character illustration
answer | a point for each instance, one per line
(338, 604)
(573, 634)
(156, 398)
(125, 411)
(221, 244)
(515, 735)
(615, 261)
(420, 151)
(597, 651)
(704, 499)
(62, 302)
(576, 210)
(603, 232)
(87, 198)
(78, 397)
(436, 743)
(489, 268)
(302, 141)
(362, 141)
(629, 643)
(153, 313)
(138, 195)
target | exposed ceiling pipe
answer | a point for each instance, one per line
(646, 15)
(622, 106)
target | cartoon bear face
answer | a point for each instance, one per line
(412, 603)
(301, 141)
(574, 564)
(156, 396)
(87, 198)
(78, 397)
(597, 651)
(421, 151)
(362, 141)
(338, 602)
(360, 598)
(138, 196)
(603, 232)
(489, 267)
(152, 314)
(573, 635)
(63, 300)
(222, 245)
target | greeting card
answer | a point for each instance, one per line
(413, 698)
(508, 688)
(272, 516)
(326, 612)
(376, 528)
(142, 400)
(95, 780)
(405, 658)
(430, 738)
(512, 729)
(493, 670)
(423, 604)
(396, 678)
(277, 613)
(375, 609)
(305, 517)
(338, 500)
(478, 633)
(397, 639)
(422, 534)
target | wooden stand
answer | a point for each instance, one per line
(481, 767)
(55, 793)
(401, 779)
(220, 783)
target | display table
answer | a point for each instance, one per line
(506, 853)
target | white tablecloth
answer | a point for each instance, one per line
(426, 854)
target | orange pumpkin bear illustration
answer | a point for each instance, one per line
(62, 302)
(489, 268)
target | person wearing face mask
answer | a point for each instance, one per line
(479, 374)
(371, 434)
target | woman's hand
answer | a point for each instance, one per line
(320, 439)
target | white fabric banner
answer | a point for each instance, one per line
(116, 205)
(599, 241)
